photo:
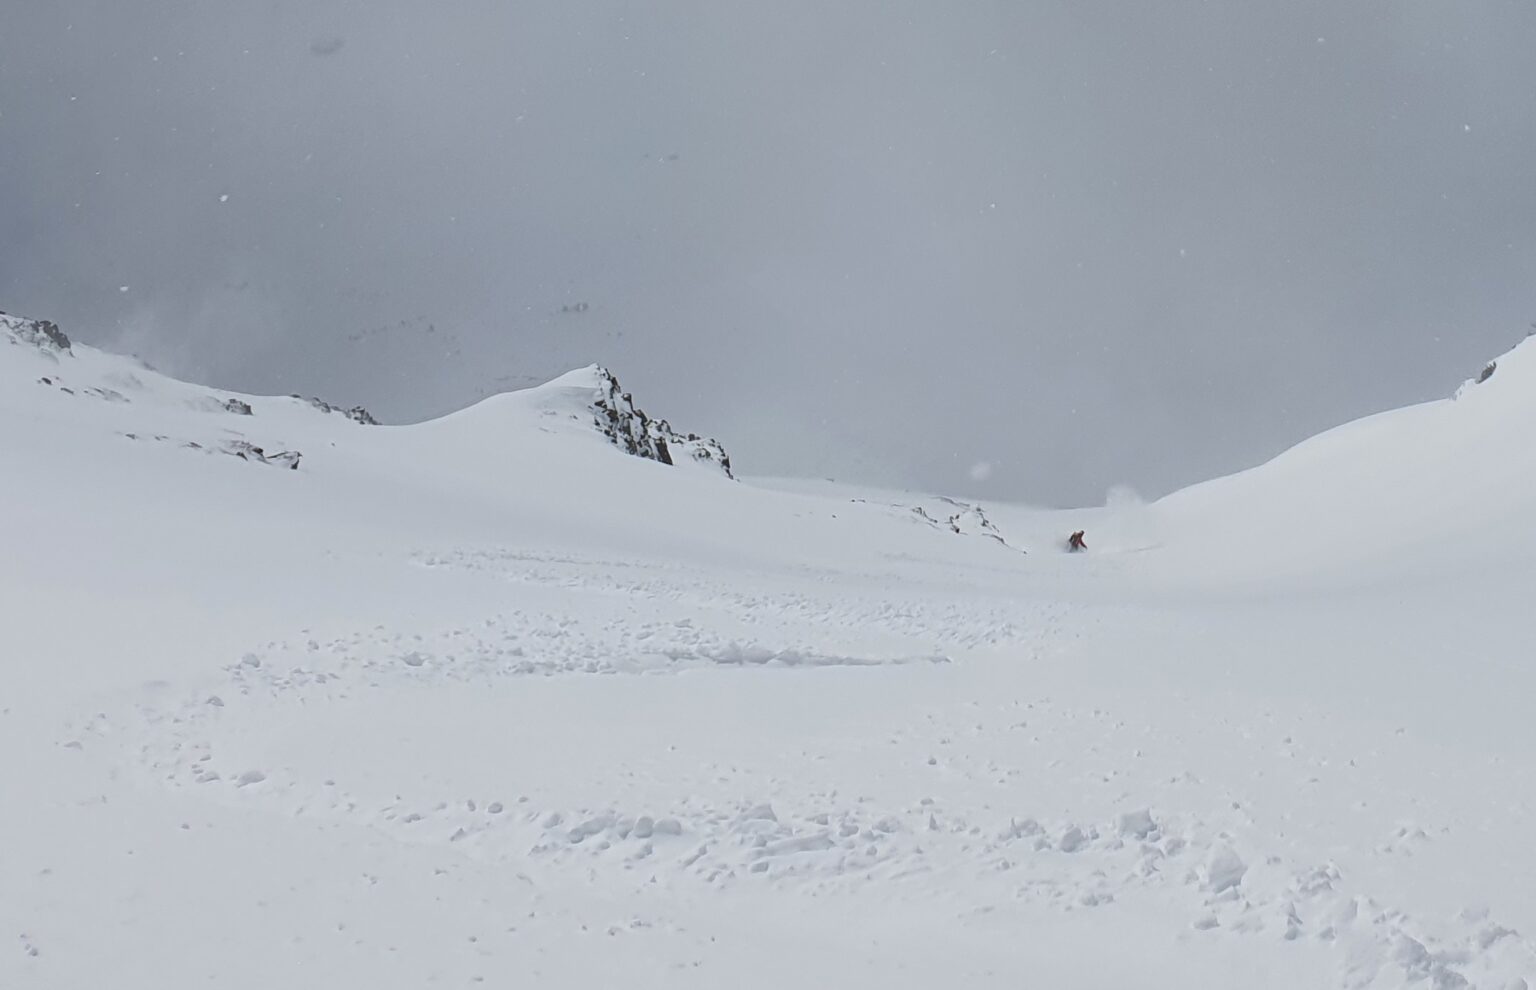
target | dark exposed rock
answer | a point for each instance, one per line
(237, 407)
(356, 414)
(632, 431)
(1482, 376)
(43, 334)
(250, 452)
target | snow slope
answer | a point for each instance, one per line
(1444, 481)
(484, 701)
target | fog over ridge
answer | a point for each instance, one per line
(1082, 244)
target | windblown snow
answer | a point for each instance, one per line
(293, 699)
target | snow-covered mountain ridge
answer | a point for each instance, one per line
(591, 393)
(487, 701)
(1446, 480)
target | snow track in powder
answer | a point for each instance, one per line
(735, 779)
(484, 701)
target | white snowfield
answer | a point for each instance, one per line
(485, 701)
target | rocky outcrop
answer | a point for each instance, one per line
(250, 452)
(45, 335)
(356, 414)
(627, 427)
(962, 519)
(1471, 383)
(1490, 368)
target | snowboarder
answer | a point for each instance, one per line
(1075, 543)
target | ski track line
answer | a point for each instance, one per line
(1211, 876)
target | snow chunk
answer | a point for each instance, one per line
(1224, 871)
(1137, 824)
(759, 813)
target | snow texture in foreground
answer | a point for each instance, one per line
(484, 701)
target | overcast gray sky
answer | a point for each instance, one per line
(1085, 243)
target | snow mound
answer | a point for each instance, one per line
(1443, 480)
(46, 377)
(587, 403)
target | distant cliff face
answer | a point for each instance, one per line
(631, 430)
